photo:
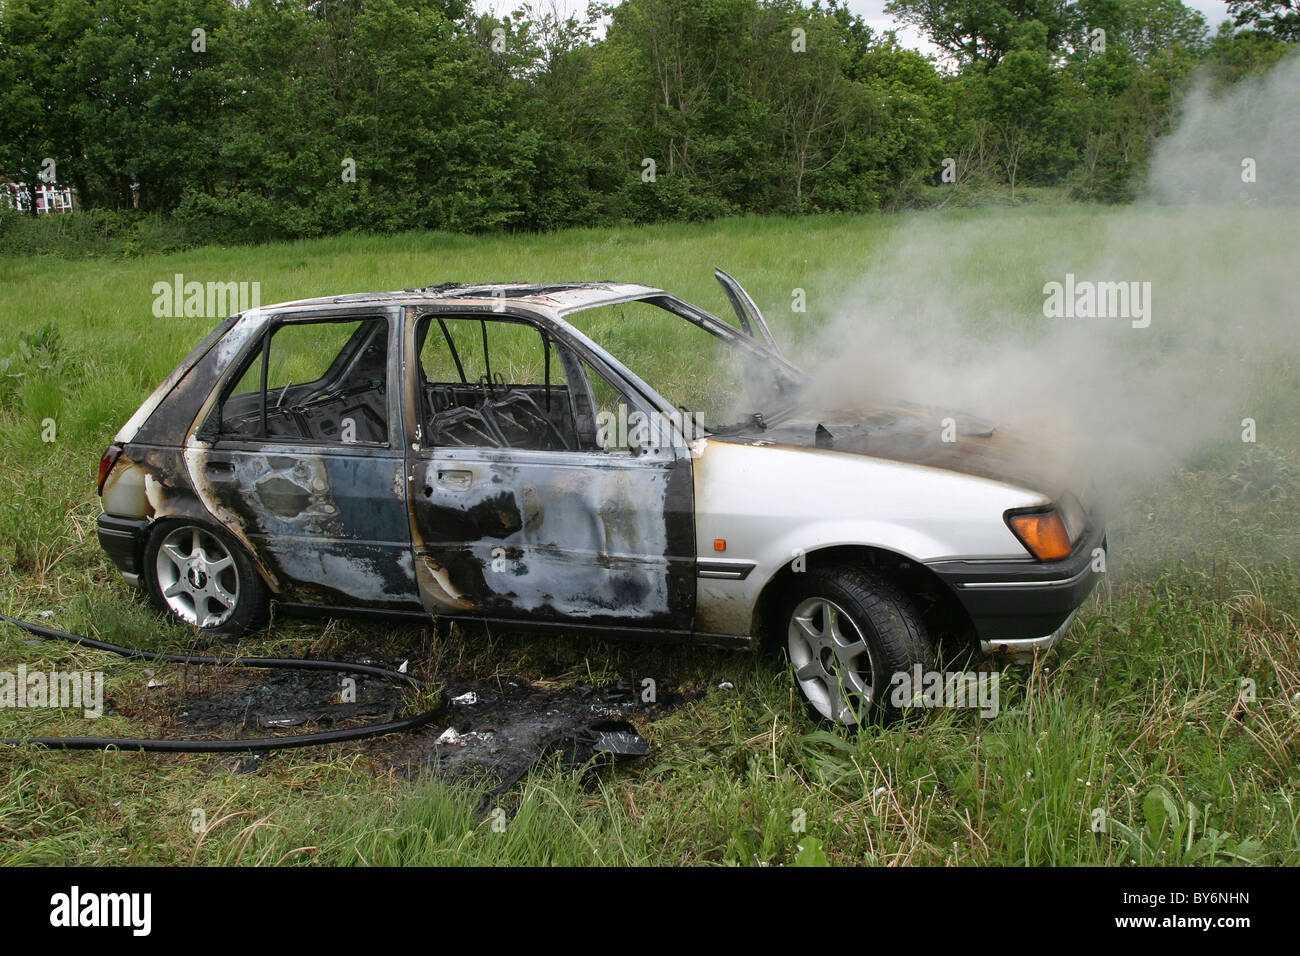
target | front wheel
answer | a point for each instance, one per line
(200, 577)
(848, 631)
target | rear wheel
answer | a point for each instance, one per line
(848, 631)
(200, 577)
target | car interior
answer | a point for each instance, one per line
(346, 402)
(494, 382)
(502, 383)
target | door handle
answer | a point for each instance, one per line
(460, 480)
(219, 469)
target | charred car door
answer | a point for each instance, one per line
(525, 503)
(305, 463)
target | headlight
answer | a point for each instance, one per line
(1042, 532)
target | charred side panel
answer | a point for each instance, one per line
(147, 485)
(590, 538)
(151, 481)
(495, 517)
(330, 526)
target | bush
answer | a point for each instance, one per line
(94, 232)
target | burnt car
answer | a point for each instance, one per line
(584, 456)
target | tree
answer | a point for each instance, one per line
(1280, 18)
(1024, 104)
(26, 49)
(1154, 29)
(981, 32)
(1237, 54)
(898, 138)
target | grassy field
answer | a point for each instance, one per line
(1144, 716)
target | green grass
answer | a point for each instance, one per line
(1141, 715)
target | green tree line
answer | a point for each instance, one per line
(259, 119)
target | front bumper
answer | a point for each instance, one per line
(1025, 649)
(123, 541)
(1020, 608)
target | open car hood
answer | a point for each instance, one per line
(747, 312)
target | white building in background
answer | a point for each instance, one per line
(48, 198)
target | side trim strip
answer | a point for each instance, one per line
(1048, 583)
(727, 570)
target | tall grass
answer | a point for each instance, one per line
(1165, 731)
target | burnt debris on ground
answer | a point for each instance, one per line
(490, 734)
(499, 730)
(273, 703)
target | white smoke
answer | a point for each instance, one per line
(951, 314)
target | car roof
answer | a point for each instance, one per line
(559, 297)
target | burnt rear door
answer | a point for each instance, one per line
(306, 463)
(526, 501)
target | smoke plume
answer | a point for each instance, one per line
(958, 311)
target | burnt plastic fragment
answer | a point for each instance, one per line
(617, 737)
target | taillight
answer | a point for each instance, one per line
(106, 464)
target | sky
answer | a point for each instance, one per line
(873, 11)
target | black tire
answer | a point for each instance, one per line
(232, 598)
(848, 678)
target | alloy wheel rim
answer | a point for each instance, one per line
(197, 577)
(832, 660)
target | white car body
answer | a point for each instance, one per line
(693, 538)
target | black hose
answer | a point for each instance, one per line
(224, 746)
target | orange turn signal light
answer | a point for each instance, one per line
(719, 544)
(1043, 534)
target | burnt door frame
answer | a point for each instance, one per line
(588, 539)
